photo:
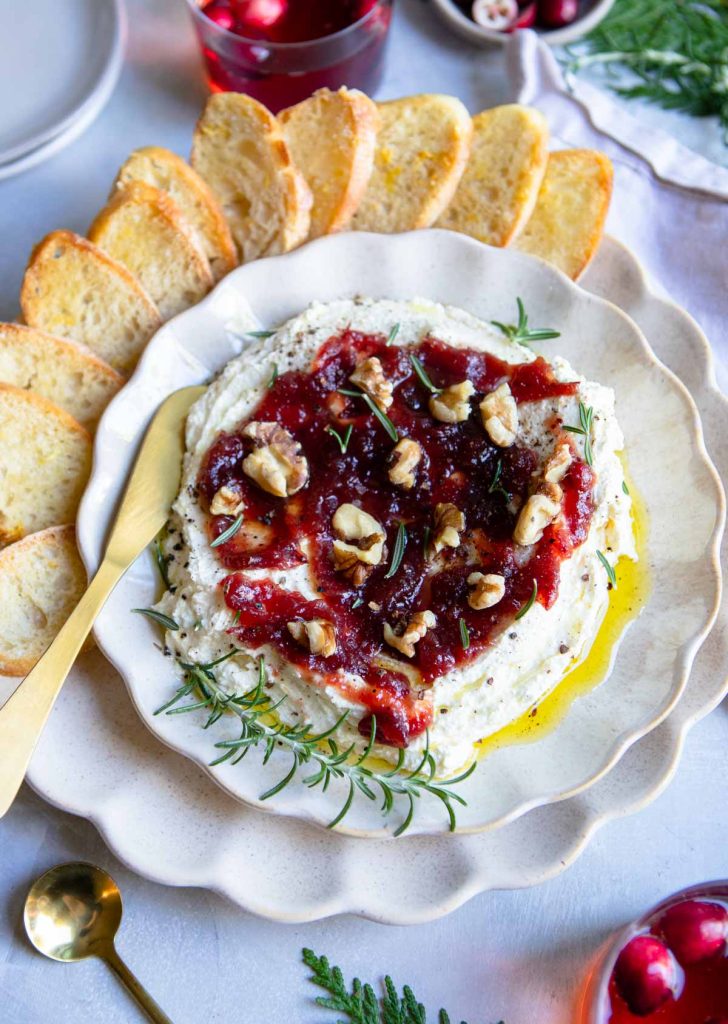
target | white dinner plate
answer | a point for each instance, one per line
(166, 820)
(667, 462)
(57, 57)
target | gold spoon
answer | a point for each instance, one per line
(144, 510)
(72, 912)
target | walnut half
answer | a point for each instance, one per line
(452, 405)
(359, 544)
(539, 512)
(405, 457)
(318, 635)
(487, 590)
(449, 524)
(369, 376)
(412, 633)
(227, 501)
(499, 413)
(276, 464)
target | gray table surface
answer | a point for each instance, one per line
(517, 955)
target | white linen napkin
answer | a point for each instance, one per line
(670, 205)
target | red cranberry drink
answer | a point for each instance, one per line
(670, 967)
(280, 51)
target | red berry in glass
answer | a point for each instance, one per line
(694, 930)
(556, 13)
(646, 974)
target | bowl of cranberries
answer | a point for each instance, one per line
(494, 21)
(670, 967)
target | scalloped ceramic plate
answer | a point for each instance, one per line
(166, 820)
(664, 445)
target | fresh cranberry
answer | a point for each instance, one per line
(219, 12)
(717, 1020)
(498, 15)
(694, 930)
(526, 18)
(259, 14)
(557, 13)
(646, 974)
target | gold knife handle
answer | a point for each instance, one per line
(23, 716)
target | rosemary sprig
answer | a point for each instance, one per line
(586, 421)
(273, 376)
(464, 634)
(672, 55)
(392, 335)
(343, 442)
(320, 750)
(609, 569)
(227, 534)
(625, 488)
(381, 416)
(521, 333)
(529, 603)
(495, 486)
(422, 374)
(259, 334)
(357, 602)
(400, 544)
(360, 1004)
(162, 561)
(159, 617)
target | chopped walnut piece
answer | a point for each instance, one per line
(227, 501)
(276, 464)
(369, 376)
(452, 405)
(449, 524)
(412, 634)
(487, 590)
(406, 455)
(499, 413)
(360, 542)
(558, 464)
(319, 635)
(538, 513)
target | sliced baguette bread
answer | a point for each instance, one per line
(173, 175)
(74, 290)
(567, 223)
(422, 149)
(143, 228)
(240, 151)
(42, 579)
(499, 187)
(45, 459)
(332, 137)
(64, 372)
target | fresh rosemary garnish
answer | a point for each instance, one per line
(162, 561)
(495, 486)
(586, 419)
(521, 333)
(529, 603)
(357, 602)
(625, 488)
(381, 416)
(464, 634)
(159, 617)
(343, 442)
(611, 575)
(676, 54)
(392, 334)
(361, 1005)
(236, 616)
(259, 334)
(273, 376)
(426, 540)
(230, 532)
(422, 374)
(321, 750)
(400, 544)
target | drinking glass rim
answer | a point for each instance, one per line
(198, 12)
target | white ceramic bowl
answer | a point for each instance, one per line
(667, 460)
(591, 13)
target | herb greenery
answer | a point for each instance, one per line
(586, 422)
(359, 1002)
(374, 408)
(521, 333)
(609, 569)
(343, 442)
(675, 54)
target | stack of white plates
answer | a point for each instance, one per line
(59, 63)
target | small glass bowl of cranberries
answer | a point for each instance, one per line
(494, 21)
(281, 51)
(669, 967)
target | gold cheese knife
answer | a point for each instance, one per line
(144, 509)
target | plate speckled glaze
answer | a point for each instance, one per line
(166, 819)
(663, 441)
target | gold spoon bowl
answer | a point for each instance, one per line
(73, 912)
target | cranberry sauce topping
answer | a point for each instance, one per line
(459, 465)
